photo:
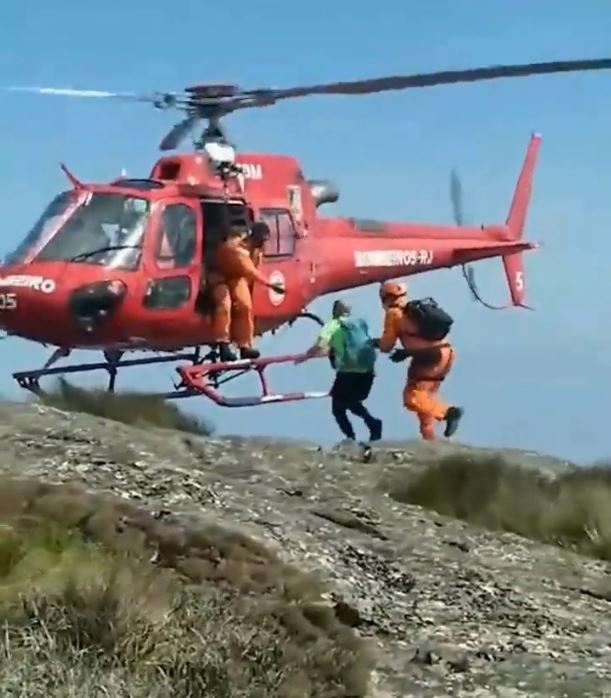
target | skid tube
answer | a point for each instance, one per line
(30, 380)
(202, 379)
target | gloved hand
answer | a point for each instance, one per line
(398, 355)
(276, 288)
(376, 342)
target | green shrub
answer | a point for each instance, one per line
(572, 509)
(134, 408)
(99, 598)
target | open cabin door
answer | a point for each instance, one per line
(218, 216)
(173, 265)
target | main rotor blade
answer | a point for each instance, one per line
(206, 102)
(178, 133)
(70, 92)
(444, 77)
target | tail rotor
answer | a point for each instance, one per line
(457, 201)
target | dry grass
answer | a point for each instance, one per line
(571, 510)
(135, 408)
(99, 598)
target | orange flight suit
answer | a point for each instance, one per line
(221, 319)
(430, 364)
(256, 255)
(234, 263)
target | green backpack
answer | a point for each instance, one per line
(359, 352)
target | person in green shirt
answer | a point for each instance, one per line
(346, 341)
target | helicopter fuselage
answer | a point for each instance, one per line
(121, 265)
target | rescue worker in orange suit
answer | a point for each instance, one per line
(235, 264)
(431, 363)
(254, 243)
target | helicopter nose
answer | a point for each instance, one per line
(22, 309)
(44, 313)
(8, 308)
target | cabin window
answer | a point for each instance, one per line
(176, 240)
(168, 293)
(281, 242)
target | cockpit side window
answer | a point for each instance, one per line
(107, 229)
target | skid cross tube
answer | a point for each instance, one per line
(201, 379)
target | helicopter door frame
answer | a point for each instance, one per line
(173, 257)
(246, 222)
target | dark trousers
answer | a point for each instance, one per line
(348, 392)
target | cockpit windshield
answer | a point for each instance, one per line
(106, 229)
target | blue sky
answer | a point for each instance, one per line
(537, 380)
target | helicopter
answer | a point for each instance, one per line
(118, 267)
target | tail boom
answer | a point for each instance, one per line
(374, 251)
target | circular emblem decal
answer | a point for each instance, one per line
(276, 278)
(47, 286)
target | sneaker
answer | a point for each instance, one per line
(452, 418)
(375, 432)
(366, 452)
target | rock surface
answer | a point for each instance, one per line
(455, 611)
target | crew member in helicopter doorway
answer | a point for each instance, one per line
(254, 242)
(234, 316)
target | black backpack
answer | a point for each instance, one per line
(433, 322)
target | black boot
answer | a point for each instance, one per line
(225, 353)
(375, 430)
(249, 353)
(373, 424)
(452, 419)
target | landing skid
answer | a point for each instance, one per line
(30, 380)
(203, 377)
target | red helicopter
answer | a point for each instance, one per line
(118, 267)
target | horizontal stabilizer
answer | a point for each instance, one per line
(464, 255)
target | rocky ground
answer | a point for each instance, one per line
(454, 610)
